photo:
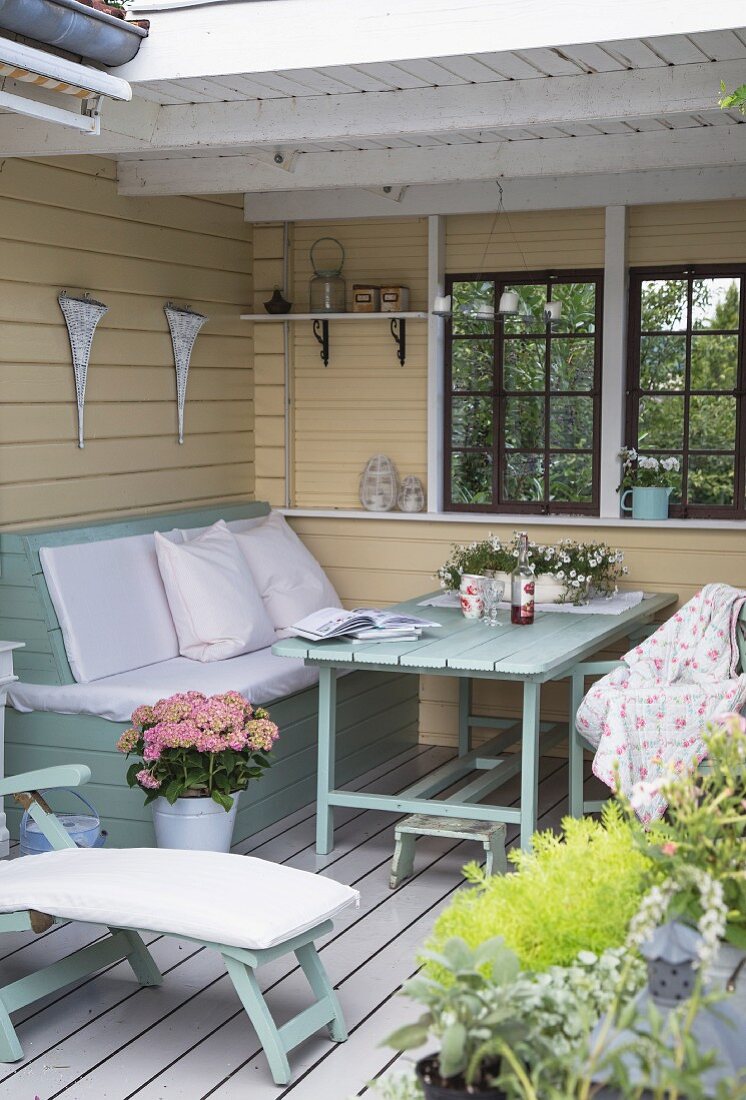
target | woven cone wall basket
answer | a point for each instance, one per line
(184, 324)
(81, 317)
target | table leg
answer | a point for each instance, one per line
(529, 761)
(575, 742)
(464, 713)
(326, 759)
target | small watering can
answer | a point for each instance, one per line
(84, 829)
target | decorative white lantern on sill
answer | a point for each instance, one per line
(379, 484)
(411, 495)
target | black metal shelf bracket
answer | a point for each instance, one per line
(321, 332)
(399, 332)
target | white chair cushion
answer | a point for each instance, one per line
(238, 901)
(215, 605)
(291, 581)
(260, 676)
(111, 605)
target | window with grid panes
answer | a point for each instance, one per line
(687, 382)
(522, 400)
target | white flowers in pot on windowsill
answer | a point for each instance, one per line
(649, 481)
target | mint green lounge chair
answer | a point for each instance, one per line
(249, 910)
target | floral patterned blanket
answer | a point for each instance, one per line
(646, 716)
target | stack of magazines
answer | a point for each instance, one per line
(364, 624)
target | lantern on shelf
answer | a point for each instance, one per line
(411, 495)
(327, 287)
(379, 484)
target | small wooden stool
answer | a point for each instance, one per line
(491, 834)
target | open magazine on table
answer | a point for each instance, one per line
(362, 624)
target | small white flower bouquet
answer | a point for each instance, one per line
(647, 471)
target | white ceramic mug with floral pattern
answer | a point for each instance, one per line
(472, 599)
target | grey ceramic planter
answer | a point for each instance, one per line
(74, 27)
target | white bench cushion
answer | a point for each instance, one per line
(111, 605)
(291, 581)
(260, 676)
(215, 604)
(238, 901)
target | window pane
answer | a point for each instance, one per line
(711, 479)
(714, 362)
(712, 423)
(471, 478)
(469, 298)
(571, 422)
(471, 422)
(531, 299)
(524, 367)
(662, 362)
(572, 364)
(524, 423)
(523, 477)
(715, 303)
(664, 305)
(471, 364)
(578, 306)
(571, 478)
(661, 424)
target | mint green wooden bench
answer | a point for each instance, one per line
(378, 714)
(579, 806)
(127, 944)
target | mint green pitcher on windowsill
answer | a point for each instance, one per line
(648, 502)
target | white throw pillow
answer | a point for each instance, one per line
(214, 602)
(291, 581)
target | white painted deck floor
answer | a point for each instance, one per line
(107, 1039)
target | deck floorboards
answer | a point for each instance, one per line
(106, 1039)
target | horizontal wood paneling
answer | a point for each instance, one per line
(64, 226)
(696, 232)
(529, 241)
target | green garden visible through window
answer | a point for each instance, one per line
(523, 400)
(687, 382)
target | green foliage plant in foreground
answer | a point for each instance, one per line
(573, 893)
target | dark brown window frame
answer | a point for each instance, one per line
(499, 395)
(637, 276)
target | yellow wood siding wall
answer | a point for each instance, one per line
(62, 225)
(382, 561)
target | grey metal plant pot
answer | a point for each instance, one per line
(74, 27)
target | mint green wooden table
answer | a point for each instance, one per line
(532, 655)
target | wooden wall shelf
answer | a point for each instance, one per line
(320, 321)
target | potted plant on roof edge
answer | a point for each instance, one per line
(196, 754)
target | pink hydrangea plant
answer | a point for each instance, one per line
(194, 744)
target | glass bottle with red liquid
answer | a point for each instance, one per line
(522, 585)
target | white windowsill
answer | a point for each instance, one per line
(494, 520)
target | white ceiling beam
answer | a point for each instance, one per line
(502, 105)
(125, 127)
(698, 146)
(213, 39)
(550, 193)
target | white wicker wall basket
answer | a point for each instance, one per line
(81, 314)
(184, 324)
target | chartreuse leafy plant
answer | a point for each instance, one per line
(572, 893)
(192, 745)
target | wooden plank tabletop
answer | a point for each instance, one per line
(543, 651)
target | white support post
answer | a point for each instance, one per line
(436, 259)
(614, 358)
